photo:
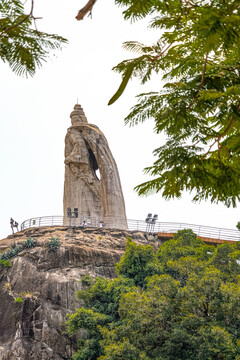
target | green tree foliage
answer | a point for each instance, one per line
(188, 309)
(101, 301)
(137, 262)
(22, 45)
(89, 320)
(103, 295)
(198, 108)
(227, 259)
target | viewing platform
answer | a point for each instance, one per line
(163, 230)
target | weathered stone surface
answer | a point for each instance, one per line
(86, 151)
(49, 281)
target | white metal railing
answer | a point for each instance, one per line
(139, 225)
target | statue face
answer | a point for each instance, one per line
(75, 119)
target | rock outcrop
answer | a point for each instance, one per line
(47, 282)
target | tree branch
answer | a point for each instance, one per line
(162, 52)
(201, 83)
(221, 136)
(20, 22)
(204, 157)
(87, 8)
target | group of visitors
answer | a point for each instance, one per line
(101, 224)
(13, 224)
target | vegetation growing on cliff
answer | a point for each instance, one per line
(16, 249)
(181, 303)
(52, 245)
(5, 263)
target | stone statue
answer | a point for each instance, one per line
(98, 199)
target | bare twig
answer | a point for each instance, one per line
(34, 20)
(86, 9)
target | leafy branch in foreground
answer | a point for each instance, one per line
(23, 47)
(198, 108)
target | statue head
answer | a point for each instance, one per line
(77, 115)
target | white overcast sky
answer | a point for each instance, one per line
(35, 117)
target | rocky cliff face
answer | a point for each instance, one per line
(47, 282)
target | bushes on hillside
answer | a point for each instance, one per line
(181, 303)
